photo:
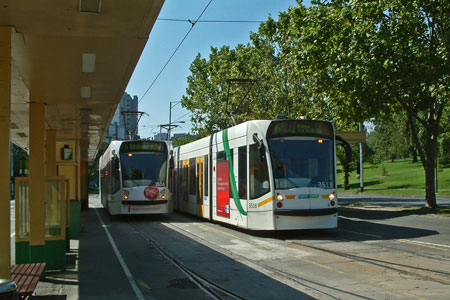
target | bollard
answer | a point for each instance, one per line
(8, 290)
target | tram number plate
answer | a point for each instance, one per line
(253, 205)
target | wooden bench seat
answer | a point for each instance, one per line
(26, 276)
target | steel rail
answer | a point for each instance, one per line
(203, 283)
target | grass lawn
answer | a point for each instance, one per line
(401, 178)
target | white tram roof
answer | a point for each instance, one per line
(247, 129)
(234, 132)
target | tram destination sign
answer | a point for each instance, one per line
(143, 146)
(300, 127)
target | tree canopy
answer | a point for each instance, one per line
(343, 60)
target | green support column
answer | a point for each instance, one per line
(5, 109)
(37, 174)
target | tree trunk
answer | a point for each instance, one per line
(427, 156)
(430, 173)
(430, 187)
(346, 176)
(414, 155)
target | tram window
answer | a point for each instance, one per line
(115, 175)
(199, 181)
(221, 155)
(259, 175)
(242, 165)
(192, 181)
(108, 177)
(206, 174)
(185, 180)
(170, 175)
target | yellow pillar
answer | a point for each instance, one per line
(78, 160)
(84, 185)
(50, 153)
(50, 170)
(5, 109)
(37, 173)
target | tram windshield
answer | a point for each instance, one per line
(143, 168)
(302, 162)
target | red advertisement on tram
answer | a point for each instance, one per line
(223, 189)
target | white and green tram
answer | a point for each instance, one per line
(134, 177)
(261, 175)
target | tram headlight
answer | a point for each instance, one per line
(332, 198)
(280, 198)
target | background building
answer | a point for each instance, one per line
(162, 136)
(122, 124)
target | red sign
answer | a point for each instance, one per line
(223, 188)
(151, 192)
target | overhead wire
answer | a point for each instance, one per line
(177, 120)
(175, 51)
(209, 21)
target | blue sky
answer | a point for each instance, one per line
(166, 36)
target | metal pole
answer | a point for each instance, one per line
(361, 176)
(170, 120)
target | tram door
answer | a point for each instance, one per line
(200, 184)
(184, 203)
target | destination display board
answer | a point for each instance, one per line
(300, 127)
(143, 146)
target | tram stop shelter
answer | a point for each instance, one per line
(64, 66)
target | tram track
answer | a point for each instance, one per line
(212, 289)
(318, 290)
(304, 283)
(411, 271)
(390, 265)
(373, 237)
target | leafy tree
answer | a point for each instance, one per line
(209, 96)
(390, 139)
(444, 148)
(347, 166)
(342, 60)
(178, 141)
(369, 58)
(276, 87)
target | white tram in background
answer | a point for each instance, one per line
(261, 175)
(134, 177)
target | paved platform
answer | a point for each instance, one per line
(93, 269)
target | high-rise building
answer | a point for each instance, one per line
(124, 125)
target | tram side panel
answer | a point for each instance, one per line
(110, 189)
(261, 199)
(250, 176)
(191, 178)
(229, 201)
(238, 187)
